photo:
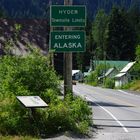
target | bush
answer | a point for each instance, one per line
(109, 83)
(134, 85)
(15, 119)
(68, 115)
(32, 75)
(92, 79)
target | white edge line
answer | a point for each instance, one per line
(128, 93)
(124, 128)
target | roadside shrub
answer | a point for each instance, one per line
(92, 79)
(126, 86)
(32, 75)
(80, 115)
(68, 115)
(135, 85)
(109, 83)
(15, 119)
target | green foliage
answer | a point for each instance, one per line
(81, 57)
(98, 32)
(32, 75)
(120, 36)
(2, 13)
(126, 86)
(134, 19)
(109, 83)
(68, 115)
(135, 85)
(14, 119)
(72, 114)
(138, 53)
(113, 36)
(136, 68)
(92, 79)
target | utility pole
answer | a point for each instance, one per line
(52, 53)
(67, 62)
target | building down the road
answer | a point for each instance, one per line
(124, 76)
(112, 63)
(111, 72)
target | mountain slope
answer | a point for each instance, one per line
(40, 8)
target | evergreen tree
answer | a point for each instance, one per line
(137, 65)
(2, 13)
(134, 19)
(83, 59)
(98, 32)
(120, 37)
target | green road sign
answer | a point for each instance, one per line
(62, 15)
(67, 41)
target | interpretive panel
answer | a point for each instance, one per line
(32, 101)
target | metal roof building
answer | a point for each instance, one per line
(124, 76)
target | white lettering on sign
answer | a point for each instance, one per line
(67, 36)
(78, 20)
(72, 12)
(60, 20)
(68, 45)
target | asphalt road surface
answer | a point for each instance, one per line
(116, 113)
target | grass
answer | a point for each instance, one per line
(135, 86)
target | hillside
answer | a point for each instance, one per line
(40, 8)
(33, 32)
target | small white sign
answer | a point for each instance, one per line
(32, 101)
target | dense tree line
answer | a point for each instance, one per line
(113, 36)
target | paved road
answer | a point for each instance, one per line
(115, 112)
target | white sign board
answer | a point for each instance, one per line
(32, 101)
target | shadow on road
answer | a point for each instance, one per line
(99, 126)
(107, 104)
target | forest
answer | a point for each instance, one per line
(112, 33)
(110, 36)
(113, 28)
